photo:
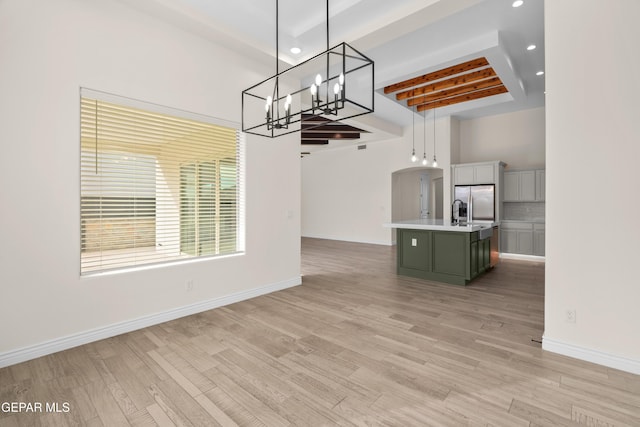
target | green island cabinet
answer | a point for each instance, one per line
(444, 256)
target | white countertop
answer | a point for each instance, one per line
(438, 224)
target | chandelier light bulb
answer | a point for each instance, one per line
(413, 156)
(435, 162)
(341, 79)
(318, 80)
(424, 160)
(313, 89)
(289, 100)
(266, 107)
(336, 89)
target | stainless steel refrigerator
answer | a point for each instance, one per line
(479, 201)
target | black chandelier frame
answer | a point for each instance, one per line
(347, 62)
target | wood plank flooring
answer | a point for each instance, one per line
(354, 345)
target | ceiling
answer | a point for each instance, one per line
(405, 39)
(463, 82)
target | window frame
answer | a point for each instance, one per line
(239, 198)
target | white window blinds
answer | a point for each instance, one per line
(156, 186)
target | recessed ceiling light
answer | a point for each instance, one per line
(531, 47)
(295, 50)
(517, 3)
(539, 73)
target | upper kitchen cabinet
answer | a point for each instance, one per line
(524, 186)
(540, 184)
(477, 173)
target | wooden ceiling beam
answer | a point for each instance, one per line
(449, 83)
(329, 135)
(330, 128)
(319, 130)
(437, 75)
(463, 98)
(457, 90)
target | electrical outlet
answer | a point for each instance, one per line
(570, 316)
(188, 286)
(414, 242)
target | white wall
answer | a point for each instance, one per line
(515, 138)
(48, 50)
(592, 115)
(346, 193)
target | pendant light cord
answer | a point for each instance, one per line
(327, 28)
(277, 88)
(277, 44)
(434, 133)
(327, 54)
(435, 162)
(424, 132)
(413, 122)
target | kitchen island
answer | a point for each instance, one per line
(432, 250)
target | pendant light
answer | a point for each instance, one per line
(435, 162)
(413, 151)
(424, 134)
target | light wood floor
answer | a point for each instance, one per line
(353, 345)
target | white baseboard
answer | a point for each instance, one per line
(63, 343)
(521, 257)
(590, 355)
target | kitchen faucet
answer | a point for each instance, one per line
(455, 212)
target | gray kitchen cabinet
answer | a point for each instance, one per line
(477, 173)
(520, 186)
(464, 175)
(511, 186)
(528, 186)
(525, 242)
(538, 239)
(508, 240)
(540, 184)
(517, 238)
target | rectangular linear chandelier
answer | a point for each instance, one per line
(335, 84)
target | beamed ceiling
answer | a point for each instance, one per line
(462, 82)
(463, 58)
(466, 81)
(318, 130)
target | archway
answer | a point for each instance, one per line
(417, 193)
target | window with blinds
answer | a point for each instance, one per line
(155, 186)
